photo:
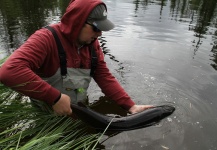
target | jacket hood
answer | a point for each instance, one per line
(75, 16)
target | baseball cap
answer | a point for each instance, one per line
(98, 17)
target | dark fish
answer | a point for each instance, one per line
(135, 121)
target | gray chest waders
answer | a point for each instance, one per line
(73, 81)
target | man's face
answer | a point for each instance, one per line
(88, 35)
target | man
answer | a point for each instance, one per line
(40, 70)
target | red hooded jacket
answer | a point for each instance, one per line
(38, 57)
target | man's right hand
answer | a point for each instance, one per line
(62, 107)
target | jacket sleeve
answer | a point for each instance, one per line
(18, 71)
(108, 83)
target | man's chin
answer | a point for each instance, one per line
(87, 42)
(82, 43)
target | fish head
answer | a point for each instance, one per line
(167, 110)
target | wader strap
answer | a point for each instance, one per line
(62, 55)
(61, 51)
(93, 60)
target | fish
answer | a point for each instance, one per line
(101, 122)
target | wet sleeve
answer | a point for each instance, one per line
(18, 71)
(109, 85)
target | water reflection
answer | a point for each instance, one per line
(214, 57)
(19, 19)
(200, 14)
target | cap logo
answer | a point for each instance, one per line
(104, 13)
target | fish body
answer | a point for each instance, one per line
(131, 122)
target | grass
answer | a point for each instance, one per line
(25, 126)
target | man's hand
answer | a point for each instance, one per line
(62, 107)
(139, 108)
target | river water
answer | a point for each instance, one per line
(161, 51)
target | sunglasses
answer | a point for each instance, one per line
(95, 29)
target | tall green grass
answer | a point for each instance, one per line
(25, 126)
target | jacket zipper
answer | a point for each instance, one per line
(79, 49)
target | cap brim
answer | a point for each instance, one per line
(104, 25)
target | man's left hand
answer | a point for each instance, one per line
(139, 108)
